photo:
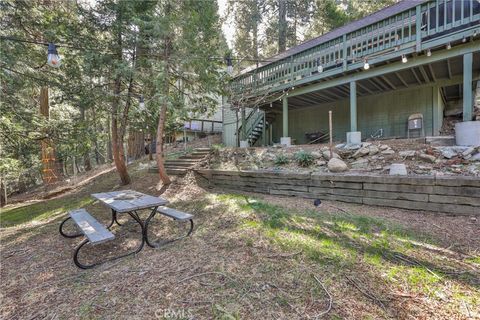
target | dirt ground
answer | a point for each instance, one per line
(251, 256)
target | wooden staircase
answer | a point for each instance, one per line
(184, 163)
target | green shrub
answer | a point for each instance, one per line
(281, 159)
(304, 159)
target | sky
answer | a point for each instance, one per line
(228, 26)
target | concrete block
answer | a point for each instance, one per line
(467, 133)
(244, 144)
(286, 141)
(354, 138)
(398, 169)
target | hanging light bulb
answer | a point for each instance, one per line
(449, 46)
(320, 69)
(404, 58)
(141, 103)
(366, 66)
(429, 53)
(53, 59)
(464, 39)
(228, 60)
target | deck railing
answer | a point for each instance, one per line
(404, 32)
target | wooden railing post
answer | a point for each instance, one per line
(418, 28)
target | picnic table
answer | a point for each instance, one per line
(127, 202)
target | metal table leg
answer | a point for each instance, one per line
(135, 216)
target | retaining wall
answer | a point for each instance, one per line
(459, 195)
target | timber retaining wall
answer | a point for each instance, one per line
(459, 195)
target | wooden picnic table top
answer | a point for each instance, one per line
(129, 200)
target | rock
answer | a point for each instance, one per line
(316, 154)
(340, 146)
(475, 157)
(321, 163)
(407, 153)
(468, 152)
(373, 150)
(366, 144)
(427, 157)
(448, 153)
(352, 146)
(424, 167)
(388, 151)
(337, 165)
(398, 169)
(326, 155)
(360, 163)
(363, 151)
(383, 147)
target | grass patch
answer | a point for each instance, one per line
(41, 210)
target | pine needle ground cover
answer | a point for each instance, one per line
(250, 257)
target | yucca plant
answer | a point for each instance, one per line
(304, 158)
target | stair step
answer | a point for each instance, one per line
(182, 161)
(179, 165)
(178, 172)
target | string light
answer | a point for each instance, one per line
(228, 60)
(449, 46)
(366, 65)
(429, 53)
(404, 58)
(320, 69)
(53, 59)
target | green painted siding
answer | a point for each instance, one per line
(388, 111)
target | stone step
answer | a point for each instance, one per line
(202, 149)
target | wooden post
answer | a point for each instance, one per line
(330, 131)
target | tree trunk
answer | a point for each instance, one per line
(86, 155)
(49, 172)
(99, 159)
(117, 138)
(163, 113)
(3, 199)
(109, 141)
(282, 25)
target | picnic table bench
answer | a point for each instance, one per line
(129, 202)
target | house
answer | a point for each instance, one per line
(412, 58)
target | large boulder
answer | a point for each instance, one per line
(363, 151)
(427, 157)
(326, 155)
(407, 153)
(337, 165)
(373, 150)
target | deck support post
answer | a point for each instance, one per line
(354, 136)
(467, 87)
(353, 106)
(285, 139)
